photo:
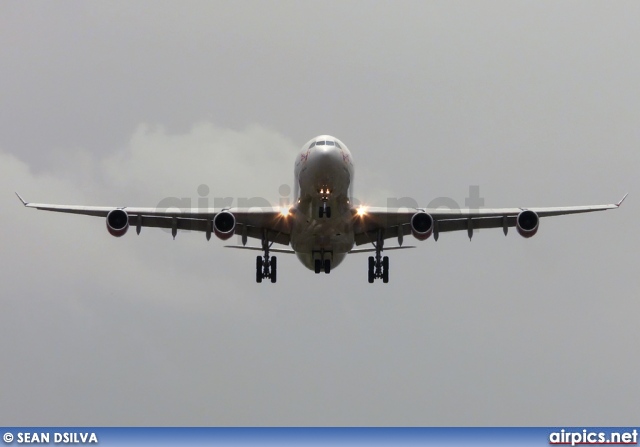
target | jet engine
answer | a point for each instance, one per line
(224, 225)
(421, 225)
(117, 222)
(527, 223)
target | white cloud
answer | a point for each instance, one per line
(232, 163)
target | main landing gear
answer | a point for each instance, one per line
(378, 265)
(266, 266)
(322, 265)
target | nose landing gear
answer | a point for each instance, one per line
(324, 210)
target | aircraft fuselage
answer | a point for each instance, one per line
(322, 225)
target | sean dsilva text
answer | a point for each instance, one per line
(57, 438)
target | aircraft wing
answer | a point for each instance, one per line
(250, 222)
(397, 222)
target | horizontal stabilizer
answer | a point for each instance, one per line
(274, 250)
(370, 250)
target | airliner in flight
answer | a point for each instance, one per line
(323, 225)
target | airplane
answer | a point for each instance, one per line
(323, 225)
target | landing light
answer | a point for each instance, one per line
(285, 211)
(361, 211)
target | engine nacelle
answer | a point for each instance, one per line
(527, 223)
(224, 225)
(117, 222)
(421, 225)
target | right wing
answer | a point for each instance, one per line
(250, 222)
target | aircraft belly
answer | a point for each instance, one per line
(309, 259)
(314, 237)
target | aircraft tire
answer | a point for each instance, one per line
(274, 269)
(259, 269)
(385, 269)
(371, 274)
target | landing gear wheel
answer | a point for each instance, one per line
(371, 271)
(378, 265)
(274, 269)
(324, 210)
(327, 266)
(266, 266)
(318, 265)
(385, 269)
(259, 269)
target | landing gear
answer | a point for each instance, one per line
(385, 269)
(372, 266)
(266, 266)
(322, 265)
(259, 269)
(324, 210)
(274, 269)
(378, 265)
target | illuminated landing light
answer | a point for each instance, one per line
(285, 211)
(361, 211)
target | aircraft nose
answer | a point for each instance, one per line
(328, 153)
(327, 158)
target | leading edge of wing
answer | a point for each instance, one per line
(447, 213)
(100, 211)
(186, 213)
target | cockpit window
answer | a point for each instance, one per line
(312, 144)
(320, 143)
(338, 146)
(330, 143)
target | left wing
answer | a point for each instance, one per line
(397, 223)
(248, 222)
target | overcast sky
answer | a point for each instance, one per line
(128, 103)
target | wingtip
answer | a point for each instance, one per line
(21, 199)
(622, 200)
